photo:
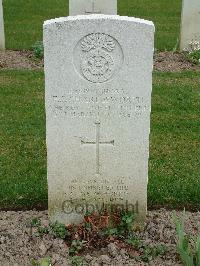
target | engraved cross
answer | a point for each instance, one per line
(93, 11)
(97, 142)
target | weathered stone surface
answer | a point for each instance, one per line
(88, 7)
(190, 23)
(98, 79)
(2, 36)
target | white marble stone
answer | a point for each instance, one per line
(88, 7)
(190, 23)
(2, 37)
(98, 79)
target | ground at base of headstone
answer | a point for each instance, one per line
(163, 61)
(25, 241)
(174, 62)
(11, 59)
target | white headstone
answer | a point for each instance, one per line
(98, 79)
(2, 37)
(88, 7)
(190, 24)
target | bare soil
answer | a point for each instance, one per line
(163, 61)
(173, 62)
(19, 245)
(19, 60)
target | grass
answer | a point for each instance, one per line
(174, 154)
(22, 139)
(174, 158)
(24, 19)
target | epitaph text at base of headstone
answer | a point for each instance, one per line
(98, 79)
(190, 25)
(88, 7)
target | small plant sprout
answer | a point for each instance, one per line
(187, 246)
(35, 222)
(59, 230)
(77, 261)
(193, 52)
(76, 246)
(38, 49)
(175, 48)
(126, 224)
(42, 262)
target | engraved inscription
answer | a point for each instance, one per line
(106, 103)
(100, 189)
(97, 56)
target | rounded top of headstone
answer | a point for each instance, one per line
(98, 17)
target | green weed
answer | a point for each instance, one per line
(147, 252)
(38, 49)
(76, 246)
(35, 222)
(194, 57)
(42, 262)
(59, 230)
(77, 261)
(187, 246)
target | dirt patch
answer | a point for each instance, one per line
(18, 244)
(173, 62)
(19, 60)
(163, 61)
